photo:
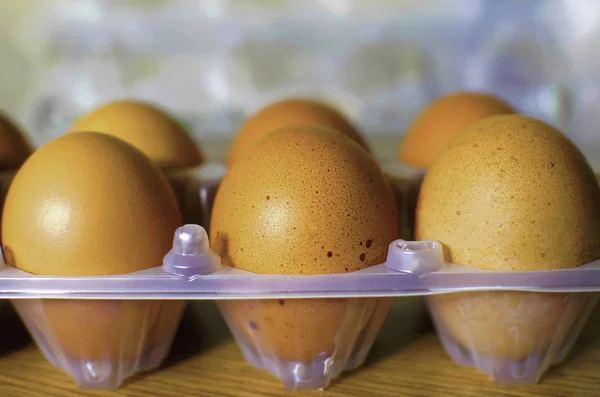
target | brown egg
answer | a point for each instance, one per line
(439, 122)
(89, 204)
(307, 200)
(157, 135)
(284, 113)
(14, 148)
(510, 193)
(146, 127)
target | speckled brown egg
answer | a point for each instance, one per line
(307, 200)
(90, 204)
(439, 122)
(288, 112)
(510, 193)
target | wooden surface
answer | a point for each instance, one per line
(206, 362)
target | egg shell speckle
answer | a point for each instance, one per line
(288, 112)
(439, 122)
(510, 193)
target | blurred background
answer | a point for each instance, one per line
(212, 62)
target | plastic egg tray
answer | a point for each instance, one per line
(456, 297)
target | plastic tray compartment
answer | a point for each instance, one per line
(510, 325)
(512, 336)
(306, 342)
(100, 343)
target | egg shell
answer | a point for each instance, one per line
(439, 122)
(308, 200)
(510, 193)
(146, 127)
(89, 204)
(14, 147)
(284, 113)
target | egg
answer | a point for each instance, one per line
(306, 200)
(510, 193)
(14, 147)
(439, 122)
(90, 204)
(288, 112)
(146, 127)
(159, 137)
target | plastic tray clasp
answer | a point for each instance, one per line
(415, 257)
(191, 254)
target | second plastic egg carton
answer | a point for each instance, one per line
(213, 63)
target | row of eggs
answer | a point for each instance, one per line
(303, 195)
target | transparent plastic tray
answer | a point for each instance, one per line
(278, 320)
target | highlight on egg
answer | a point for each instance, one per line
(306, 200)
(91, 204)
(511, 193)
(285, 113)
